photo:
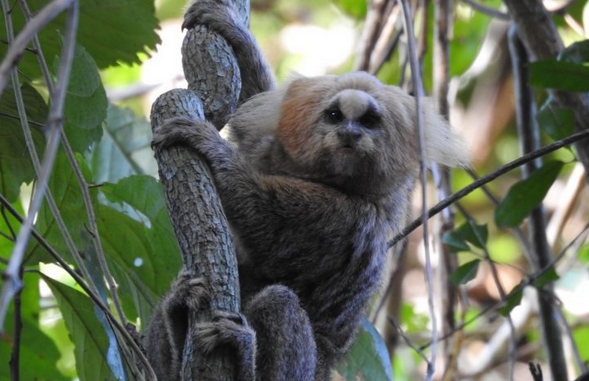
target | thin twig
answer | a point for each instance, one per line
(529, 137)
(33, 150)
(55, 122)
(16, 337)
(419, 94)
(18, 46)
(488, 178)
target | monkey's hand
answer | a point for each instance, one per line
(200, 136)
(221, 17)
(233, 330)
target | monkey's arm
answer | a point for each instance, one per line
(259, 206)
(221, 17)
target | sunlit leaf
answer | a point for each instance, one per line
(124, 149)
(465, 272)
(526, 195)
(584, 253)
(355, 8)
(113, 31)
(368, 359)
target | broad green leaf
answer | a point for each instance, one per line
(124, 149)
(465, 272)
(113, 31)
(85, 331)
(85, 102)
(141, 245)
(549, 276)
(560, 75)
(526, 195)
(16, 166)
(368, 359)
(556, 122)
(66, 191)
(38, 353)
(514, 298)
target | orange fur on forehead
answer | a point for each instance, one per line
(301, 98)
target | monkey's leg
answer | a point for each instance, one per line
(164, 340)
(222, 18)
(285, 345)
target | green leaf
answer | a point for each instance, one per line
(514, 298)
(85, 102)
(465, 272)
(16, 166)
(455, 241)
(354, 8)
(38, 353)
(140, 241)
(584, 253)
(556, 122)
(560, 75)
(85, 331)
(467, 232)
(113, 31)
(124, 149)
(368, 359)
(35, 346)
(526, 195)
(577, 52)
(548, 276)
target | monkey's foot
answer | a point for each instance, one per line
(188, 291)
(219, 16)
(225, 328)
(230, 329)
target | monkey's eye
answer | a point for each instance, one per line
(334, 116)
(370, 119)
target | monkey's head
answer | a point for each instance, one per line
(354, 132)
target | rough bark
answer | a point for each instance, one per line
(195, 209)
(539, 35)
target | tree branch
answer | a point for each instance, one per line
(197, 216)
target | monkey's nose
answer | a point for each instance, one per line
(349, 136)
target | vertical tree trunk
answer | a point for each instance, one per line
(195, 209)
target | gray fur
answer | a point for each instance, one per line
(311, 197)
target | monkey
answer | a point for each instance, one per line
(316, 175)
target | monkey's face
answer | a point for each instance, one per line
(346, 130)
